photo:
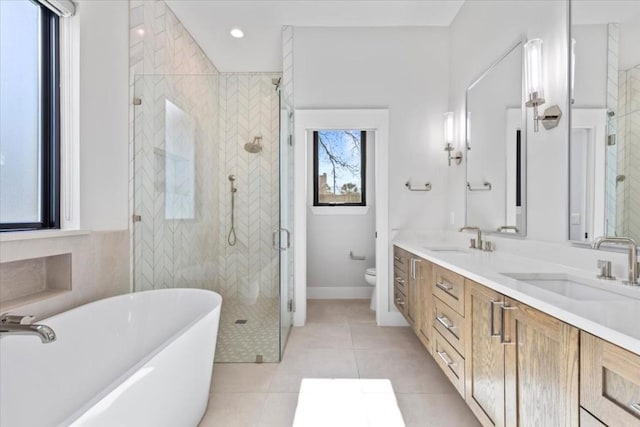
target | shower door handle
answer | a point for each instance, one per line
(288, 239)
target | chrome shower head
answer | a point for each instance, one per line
(254, 146)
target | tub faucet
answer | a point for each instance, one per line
(479, 239)
(633, 255)
(14, 325)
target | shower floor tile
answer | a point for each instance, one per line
(249, 329)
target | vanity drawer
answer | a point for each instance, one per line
(401, 259)
(449, 287)
(609, 382)
(450, 361)
(450, 324)
(400, 301)
(400, 280)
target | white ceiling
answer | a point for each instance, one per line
(209, 22)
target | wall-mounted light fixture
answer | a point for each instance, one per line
(534, 83)
(448, 139)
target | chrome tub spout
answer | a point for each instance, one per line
(10, 325)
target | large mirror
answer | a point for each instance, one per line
(496, 146)
(604, 148)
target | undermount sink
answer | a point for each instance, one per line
(564, 285)
(446, 249)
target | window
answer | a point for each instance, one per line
(339, 159)
(29, 113)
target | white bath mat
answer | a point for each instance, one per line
(348, 403)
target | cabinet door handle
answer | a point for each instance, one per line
(442, 286)
(492, 320)
(397, 258)
(399, 301)
(444, 321)
(414, 261)
(446, 289)
(503, 309)
(399, 280)
(445, 358)
(635, 407)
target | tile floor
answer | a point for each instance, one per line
(242, 342)
(340, 340)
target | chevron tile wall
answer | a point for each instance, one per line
(167, 64)
(613, 44)
(629, 145)
(249, 108)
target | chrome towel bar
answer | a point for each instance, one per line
(427, 187)
(486, 186)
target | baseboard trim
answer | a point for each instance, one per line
(335, 292)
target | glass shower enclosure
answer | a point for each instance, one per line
(192, 133)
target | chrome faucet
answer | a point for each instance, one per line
(13, 325)
(479, 239)
(633, 254)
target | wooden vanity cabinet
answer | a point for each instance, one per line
(513, 364)
(521, 364)
(448, 322)
(609, 382)
(485, 355)
(412, 291)
(424, 324)
(400, 279)
(588, 420)
(541, 368)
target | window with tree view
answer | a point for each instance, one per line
(339, 159)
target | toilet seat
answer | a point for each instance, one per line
(370, 271)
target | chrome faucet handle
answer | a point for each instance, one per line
(15, 319)
(605, 270)
(472, 243)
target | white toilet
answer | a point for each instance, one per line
(370, 278)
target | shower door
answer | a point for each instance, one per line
(175, 202)
(190, 133)
(286, 224)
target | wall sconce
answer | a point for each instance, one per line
(534, 87)
(448, 139)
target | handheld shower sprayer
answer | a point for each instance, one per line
(231, 239)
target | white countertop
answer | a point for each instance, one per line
(616, 320)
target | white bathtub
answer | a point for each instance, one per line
(138, 360)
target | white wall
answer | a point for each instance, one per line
(482, 31)
(629, 36)
(331, 235)
(104, 86)
(403, 69)
(590, 90)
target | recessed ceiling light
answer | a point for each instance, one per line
(237, 33)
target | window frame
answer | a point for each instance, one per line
(49, 124)
(363, 172)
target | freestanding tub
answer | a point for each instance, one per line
(142, 359)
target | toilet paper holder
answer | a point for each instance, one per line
(357, 257)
